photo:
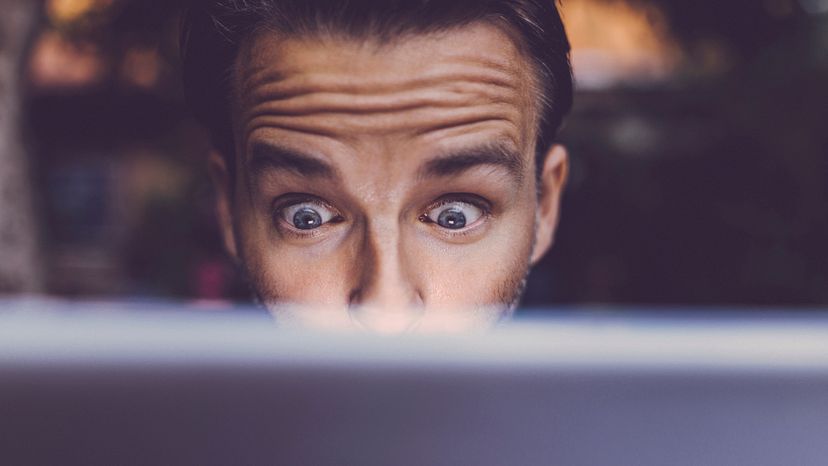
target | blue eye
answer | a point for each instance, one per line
(307, 215)
(307, 219)
(455, 215)
(453, 219)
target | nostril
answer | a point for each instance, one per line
(355, 297)
(419, 302)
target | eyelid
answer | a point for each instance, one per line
(285, 226)
(471, 199)
(327, 214)
(291, 199)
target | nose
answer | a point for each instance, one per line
(385, 297)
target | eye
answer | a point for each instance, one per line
(308, 215)
(454, 215)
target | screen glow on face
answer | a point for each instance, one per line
(404, 181)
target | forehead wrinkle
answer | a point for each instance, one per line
(307, 94)
(492, 99)
(417, 122)
(280, 84)
(258, 76)
(292, 125)
(347, 105)
(276, 89)
(267, 76)
(447, 104)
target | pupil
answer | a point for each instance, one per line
(307, 219)
(452, 219)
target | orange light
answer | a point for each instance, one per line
(59, 63)
(73, 11)
(614, 42)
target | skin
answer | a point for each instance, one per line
(380, 139)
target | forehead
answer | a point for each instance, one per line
(481, 42)
(414, 81)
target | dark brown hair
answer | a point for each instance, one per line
(212, 32)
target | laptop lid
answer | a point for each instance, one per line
(574, 388)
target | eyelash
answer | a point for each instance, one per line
(472, 199)
(283, 202)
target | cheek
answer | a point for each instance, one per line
(306, 275)
(283, 272)
(487, 272)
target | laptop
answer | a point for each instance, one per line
(108, 384)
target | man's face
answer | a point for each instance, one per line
(388, 186)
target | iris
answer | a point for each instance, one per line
(453, 219)
(307, 219)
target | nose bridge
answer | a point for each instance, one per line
(385, 280)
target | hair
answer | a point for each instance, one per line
(214, 30)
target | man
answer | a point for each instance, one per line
(384, 163)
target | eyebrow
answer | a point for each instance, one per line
(498, 154)
(265, 157)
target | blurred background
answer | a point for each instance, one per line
(699, 145)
